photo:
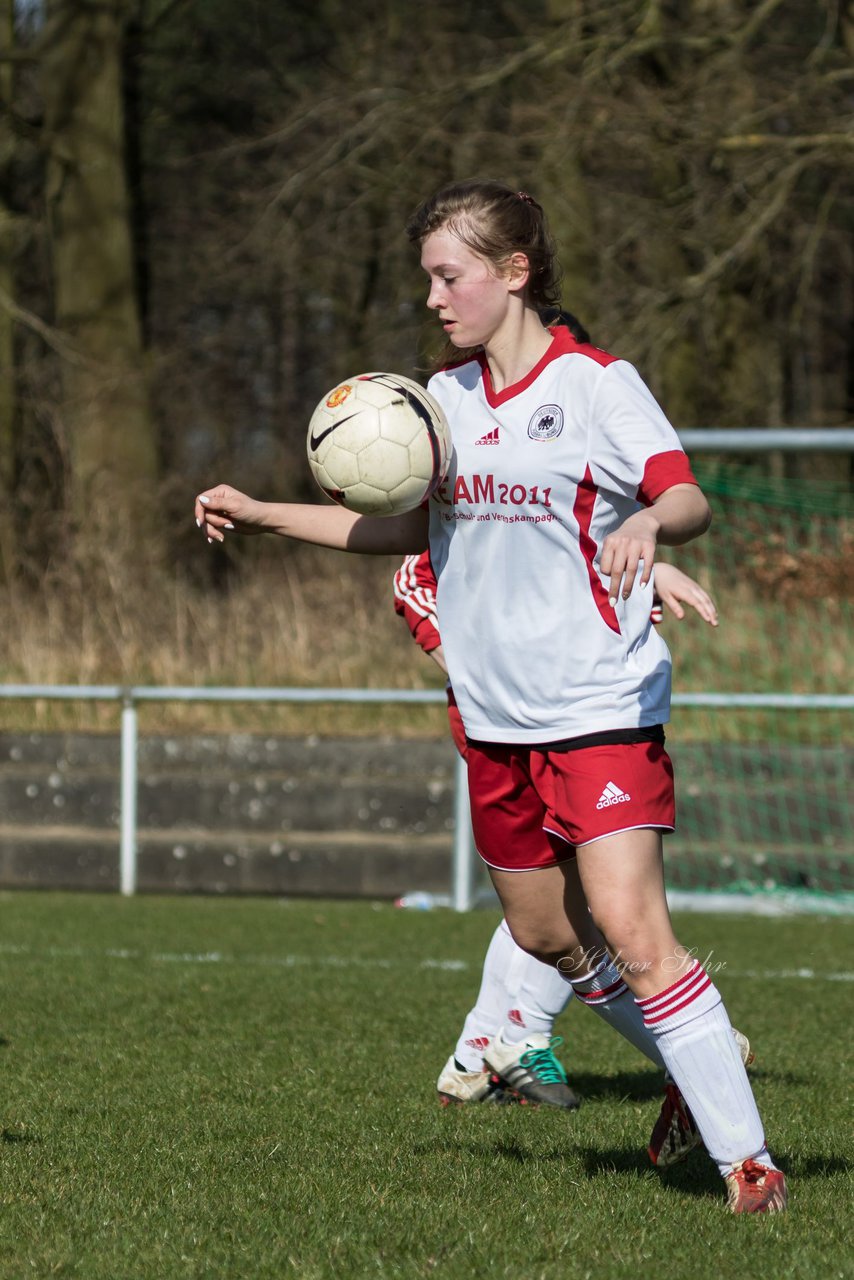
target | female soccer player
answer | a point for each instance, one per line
(565, 478)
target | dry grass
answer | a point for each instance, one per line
(285, 617)
(297, 616)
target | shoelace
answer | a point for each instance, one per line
(544, 1064)
(753, 1172)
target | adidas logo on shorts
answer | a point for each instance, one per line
(612, 795)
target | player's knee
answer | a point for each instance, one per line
(542, 943)
(629, 939)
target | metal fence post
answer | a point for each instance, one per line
(127, 847)
(462, 888)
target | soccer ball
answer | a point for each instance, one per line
(378, 444)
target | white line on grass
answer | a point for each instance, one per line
(354, 962)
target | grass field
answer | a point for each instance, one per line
(245, 1089)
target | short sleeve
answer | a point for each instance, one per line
(634, 450)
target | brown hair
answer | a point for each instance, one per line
(495, 222)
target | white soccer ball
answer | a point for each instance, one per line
(378, 444)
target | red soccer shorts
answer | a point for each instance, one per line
(531, 808)
(455, 721)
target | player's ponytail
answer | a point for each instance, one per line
(552, 316)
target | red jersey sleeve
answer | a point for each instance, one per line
(662, 472)
(415, 600)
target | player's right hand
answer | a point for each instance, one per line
(222, 510)
(675, 588)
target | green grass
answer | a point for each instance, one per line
(244, 1089)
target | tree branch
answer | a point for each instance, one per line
(54, 338)
(694, 285)
(797, 142)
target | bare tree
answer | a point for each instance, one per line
(105, 401)
(694, 159)
(7, 278)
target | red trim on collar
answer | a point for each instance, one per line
(562, 344)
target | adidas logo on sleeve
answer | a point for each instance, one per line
(612, 795)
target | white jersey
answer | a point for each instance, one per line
(541, 473)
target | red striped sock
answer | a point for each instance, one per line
(693, 1033)
(604, 992)
(687, 998)
(600, 986)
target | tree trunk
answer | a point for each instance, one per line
(111, 443)
(7, 239)
(8, 236)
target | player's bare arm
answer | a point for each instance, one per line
(678, 515)
(438, 656)
(222, 510)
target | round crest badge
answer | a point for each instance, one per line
(338, 396)
(547, 422)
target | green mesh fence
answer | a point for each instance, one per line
(765, 795)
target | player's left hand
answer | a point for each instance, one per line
(624, 550)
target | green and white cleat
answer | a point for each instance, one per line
(531, 1070)
(457, 1086)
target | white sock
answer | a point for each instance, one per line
(517, 993)
(695, 1038)
(604, 992)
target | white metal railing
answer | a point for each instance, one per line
(464, 857)
(767, 439)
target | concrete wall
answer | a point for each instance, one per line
(230, 813)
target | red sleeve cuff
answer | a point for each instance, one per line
(425, 634)
(662, 472)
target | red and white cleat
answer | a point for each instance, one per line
(754, 1188)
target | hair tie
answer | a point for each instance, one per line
(523, 195)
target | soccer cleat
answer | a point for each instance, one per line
(675, 1134)
(457, 1086)
(754, 1188)
(747, 1054)
(531, 1069)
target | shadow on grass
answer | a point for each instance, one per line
(643, 1086)
(695, 1177)
(698, 1175)
(813, 1166)
(505, 1148)
(639, 1086)
(648, 1086)
(18, 1135)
